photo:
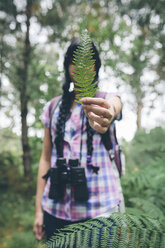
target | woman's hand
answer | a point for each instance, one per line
(38, 226)
(101, 112)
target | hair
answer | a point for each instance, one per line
(67, 100)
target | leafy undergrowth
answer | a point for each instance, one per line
(16, 222)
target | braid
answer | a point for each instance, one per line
(90, 148)
(89, 139)
(64, 112)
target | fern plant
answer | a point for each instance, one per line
(83, 68)
(145, 189)
(119, 230)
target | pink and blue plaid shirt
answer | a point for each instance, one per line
(103, 192)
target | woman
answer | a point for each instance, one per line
(75, 135)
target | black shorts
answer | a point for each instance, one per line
(52, 224)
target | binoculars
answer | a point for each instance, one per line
(68, 174)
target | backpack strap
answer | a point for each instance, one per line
(110, 140)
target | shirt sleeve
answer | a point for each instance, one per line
(45, 117)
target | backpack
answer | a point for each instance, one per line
(111, 143)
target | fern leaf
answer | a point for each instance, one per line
(134, 211)
(144, 238)
(117, 231)
(154, 239)
(106, 237)
(148, 207)
(134, 221)
(134, 237)
(94, 237)
(124, 237)
(79, 239)
(83, 65)
(86, 239)
(67, 241)
(114, 240)
(162, 242)
(72, 240)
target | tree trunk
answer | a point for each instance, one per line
(1, 67)
(24, 96)
(139, 113)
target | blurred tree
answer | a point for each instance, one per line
(26, 68)
(20, 78)
(149, 15)
(23, 79)
(145, 148)
(149, 20)
(58, 18)
(44, 82)
(8, 25)
(139, 60)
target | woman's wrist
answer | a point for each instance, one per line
(38, 208)
(115, 105)
(39, 212)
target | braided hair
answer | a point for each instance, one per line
(67, 100)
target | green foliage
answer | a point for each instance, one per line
(150, 33)
(119, 230)
(36, 148)
(44, 82)
(10, 142)
(11, 174)
(143, 187)
(18, 240)
(149, 208)
(145, 148)
(16, 221)
(9, 171)
(83, 65)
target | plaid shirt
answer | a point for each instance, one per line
(103, 191)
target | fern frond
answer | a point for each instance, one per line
(134, 237)
(148, 207)
(94, 237)
(114, 238)
(124, 237)
(72, 240)
(162, 242)
(134, 221)
(155, 239)
(83, 65)
(134, 211)
(144, 238)
(105, 237)
(80, 235)
(86, 239)
(119, 230)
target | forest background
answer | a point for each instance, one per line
(34, 35)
